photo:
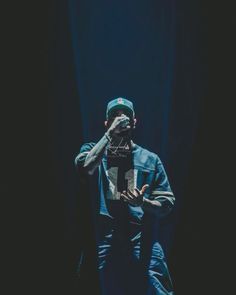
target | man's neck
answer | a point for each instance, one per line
(120, 147)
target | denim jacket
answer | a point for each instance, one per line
(145, 168)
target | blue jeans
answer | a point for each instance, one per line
(125, 266)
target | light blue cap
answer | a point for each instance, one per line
(120, 103)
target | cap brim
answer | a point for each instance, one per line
(120, 107)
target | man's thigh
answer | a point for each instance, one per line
(119, 264)
(105, 240)
(121, 275)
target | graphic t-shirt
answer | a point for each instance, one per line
(135, 169)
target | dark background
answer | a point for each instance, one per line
(45, 129)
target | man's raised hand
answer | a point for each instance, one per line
(135, 198)
(119, 124)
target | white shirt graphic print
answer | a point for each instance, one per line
(112, 175)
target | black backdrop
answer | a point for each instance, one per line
(42, 223)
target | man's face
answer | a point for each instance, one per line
(118, 113)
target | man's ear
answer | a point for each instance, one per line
(135, 121)
(105, 123)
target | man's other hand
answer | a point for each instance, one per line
(135, 198)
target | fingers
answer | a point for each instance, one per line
(131, 198)
(123, 120)
(124, 125)
(121, 123)
(137, 191)
(126, 197)
(130, 194)
(143, 189)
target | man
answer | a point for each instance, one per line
(133, 192)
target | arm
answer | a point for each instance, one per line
(160, 205)
(94, 157)
(90, 156)
(161, 199)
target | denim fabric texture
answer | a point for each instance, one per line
(130, 260)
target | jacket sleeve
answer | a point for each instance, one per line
(161, 190)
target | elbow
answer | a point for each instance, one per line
(164, 210)
(167, 209)
(87, 169)
(90, 172)
(90, 165)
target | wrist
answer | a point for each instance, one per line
(108, 136)
(110, 132)
(145, 203)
